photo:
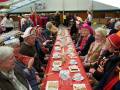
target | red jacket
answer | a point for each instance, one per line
(36, 20)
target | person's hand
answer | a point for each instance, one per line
(92, 70)
(47, 42)
(30, 63)
(38, 78)
(78, 52)
(42, 68)
(89, 75)
(44, 43)
(100, 69)
(51, 36)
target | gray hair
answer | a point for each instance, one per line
(5, 52)
(117, 24)
(49, 25)
(102, 31)
(112, 20)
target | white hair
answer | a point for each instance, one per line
(49, 25)
(117, 24)
(112, 20)
(102, 31)
(5, 52)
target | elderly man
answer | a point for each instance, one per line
(116, 28)
(117, 25)
(28, 48)
(10, 77)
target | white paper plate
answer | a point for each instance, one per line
(72, 67)
(79, 87)
(78, 77)
(56, 70)
(57, 63)
(52, 85)
(57, 48)
(56, 56)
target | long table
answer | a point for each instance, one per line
(65, 42)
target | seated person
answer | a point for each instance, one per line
(96, 47)
(10, 77)
(41, 43)
(89, 27)
(111, 24)
(50, 31)
(50, 34)
(110, 79)
(115, 27)
(112, 46)
(25, 64)
(84, 41)
(28, 49)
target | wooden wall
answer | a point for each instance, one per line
(99, 16)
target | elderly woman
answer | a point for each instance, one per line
(110, 67)
(107, 62)
(85, 40)
(96, 47)
(11, 78)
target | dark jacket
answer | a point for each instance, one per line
(84, 51)
(98, 75)
(31, 52)
(74, 29)
(109, 73)
(5, 84)
(57, 20)
(46, 33)
(29, 74)
(27, 50)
